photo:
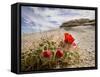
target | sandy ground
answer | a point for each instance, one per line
(84, 37)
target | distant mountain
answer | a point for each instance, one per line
(78, 22)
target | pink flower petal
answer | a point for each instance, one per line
(74, 45)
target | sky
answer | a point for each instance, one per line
(37, 19)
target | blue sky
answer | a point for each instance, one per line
(36, 19)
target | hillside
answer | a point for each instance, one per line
(78, 22)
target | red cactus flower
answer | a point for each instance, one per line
(59, 53)
(68, 38)
(47, 53)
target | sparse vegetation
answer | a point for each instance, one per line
(56, 50)
(49, 55)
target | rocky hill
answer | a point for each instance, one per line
(78, 22)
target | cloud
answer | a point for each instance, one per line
(36, 18)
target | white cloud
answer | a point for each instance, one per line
(52, 18)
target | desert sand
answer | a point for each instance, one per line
(84, 38)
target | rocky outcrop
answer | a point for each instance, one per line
(78, 22)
